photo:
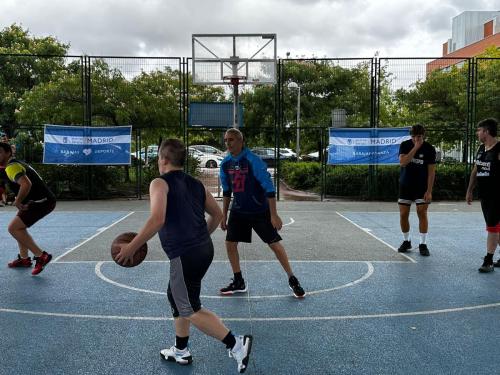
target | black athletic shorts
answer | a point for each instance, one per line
(239, 227)
(491, 213)
(186, 273)
(409, 194)
(36, 211)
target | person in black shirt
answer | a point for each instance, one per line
(178, 206)
(418, 169)
(486, 175)
(34, 201)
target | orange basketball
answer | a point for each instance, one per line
(125, 238)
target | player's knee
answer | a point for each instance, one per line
(13, 228)
(422, 213)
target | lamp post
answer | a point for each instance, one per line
(294, 85)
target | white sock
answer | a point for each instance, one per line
(406, 236)
(423, 237)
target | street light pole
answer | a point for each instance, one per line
(294, 85)
(298, 124)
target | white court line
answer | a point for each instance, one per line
(290, 223)
(285, 319)
(349, 284)
(378, 239)
(248, 261)
(100, 230)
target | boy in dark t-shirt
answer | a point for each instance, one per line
(418, 169)
(178, 206)
(486, 175)
(244, 176)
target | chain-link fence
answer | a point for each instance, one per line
(286, 124)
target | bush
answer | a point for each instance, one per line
(70, 181)
(365, 182)
(301, 175)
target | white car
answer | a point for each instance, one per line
(288, 153)
(206, 160)
(152, 152)
(206, 149)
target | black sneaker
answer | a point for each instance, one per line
(424, 251)
(405, 246)
(236, 286)
(497, 263)
(294, 285)
(487, 266)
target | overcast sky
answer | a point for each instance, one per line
(332, 28)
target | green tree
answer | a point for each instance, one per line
(325, 85)
(25, 61)
(488, 84)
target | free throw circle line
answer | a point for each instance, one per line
(368, 273)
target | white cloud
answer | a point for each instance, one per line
(341, 28)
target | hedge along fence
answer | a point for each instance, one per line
(450, 183)
(70, 181)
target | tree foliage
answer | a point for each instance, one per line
(25, 62)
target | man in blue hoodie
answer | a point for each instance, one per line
(244, 176)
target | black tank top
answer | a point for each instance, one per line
(185, 227)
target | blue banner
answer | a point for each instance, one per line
(87, 145)
(366, 145)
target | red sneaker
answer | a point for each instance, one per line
(20, 262)
(41, 262)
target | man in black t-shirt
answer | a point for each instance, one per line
(486, 174)
(418, 169)
(34, 200)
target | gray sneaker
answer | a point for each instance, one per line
(182, 357)
(241, 351)
(487, 266)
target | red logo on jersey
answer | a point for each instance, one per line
(238, 177)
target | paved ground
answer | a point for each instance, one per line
(369, 310)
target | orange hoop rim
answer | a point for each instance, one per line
(234, 80)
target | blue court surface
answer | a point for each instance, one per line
(369, 310)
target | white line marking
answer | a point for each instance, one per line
(248, 261)
(99, 231)
(378, 239)
(368, 273)
(245, 319)
(290, 223)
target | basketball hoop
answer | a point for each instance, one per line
(234, 80)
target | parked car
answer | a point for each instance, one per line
(146, 154)
(206, 160)
(267, 154)
(314, 156)
(206, 149)
(288, 154)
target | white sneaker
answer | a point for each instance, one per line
(241, 351)
(182, 357)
